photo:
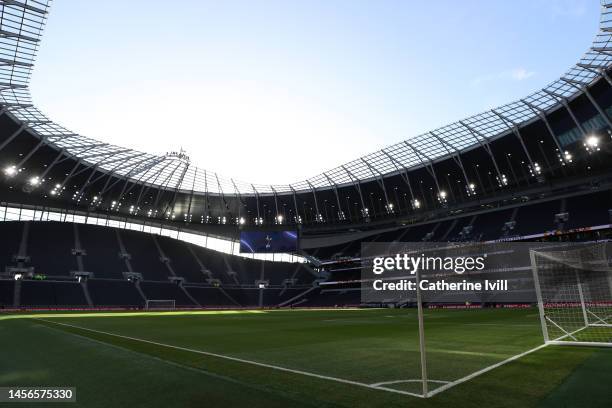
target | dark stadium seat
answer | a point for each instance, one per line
(100, 244)
(247, 297)
(145, 257)
(181, 259)
(166, 291)
(456, 229)
(114, 293)
(589, 210)
(417, 233)
(6, 293)
(50, 247)
(248, 270)
(52, 293)
(274, 297)
(488, 226)
(276, 272)
(209, 297)
(214, 262)
(10, 237)
(331, 298)
(536, 218)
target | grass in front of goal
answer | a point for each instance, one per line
(130, 358)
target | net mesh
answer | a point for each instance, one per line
(160, 305)
(574, 288)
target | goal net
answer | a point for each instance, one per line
(574, 293)
(155, 304)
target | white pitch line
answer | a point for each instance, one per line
(241, 360)
(484, 370)
(416, 380)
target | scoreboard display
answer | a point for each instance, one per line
(253, 242)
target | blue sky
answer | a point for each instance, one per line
(251, 87)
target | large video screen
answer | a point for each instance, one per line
(268, 241)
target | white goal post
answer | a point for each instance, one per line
(160, 304)
(574, 294)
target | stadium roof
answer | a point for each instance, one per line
(21, 26)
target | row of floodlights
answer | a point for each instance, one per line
(591, 144)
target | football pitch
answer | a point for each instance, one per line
(341, 358)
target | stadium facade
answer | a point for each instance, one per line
(532, 168)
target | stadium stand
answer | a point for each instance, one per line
(7, 288)
(181, 259)
(10, 240)
(534, 169)
(50, 253)
(102, 260)
(211, 297)
(114, 293)
(36, 293)
(144, 256)
(169, 290)
(154, 260)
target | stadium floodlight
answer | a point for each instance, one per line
(10, 171)
(470, 189)
(241, 220)
(34, 181)
(574, 293)
(535, 170)
(502, 180)
(416, 204)
(591, 143)
(567, 157)
(442, 196)
(279, 219)
(389, 208)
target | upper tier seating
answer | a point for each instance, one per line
(589, 210)
(145, 257)
(50, 246)
(182, 260)
(102, 248)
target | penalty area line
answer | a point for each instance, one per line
(240, 360)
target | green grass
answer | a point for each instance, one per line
(365, 346)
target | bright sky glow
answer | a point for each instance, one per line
(278, 91)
